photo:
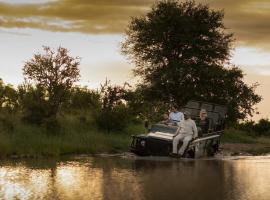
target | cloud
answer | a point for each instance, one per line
(14, 33)
(87, 16)
(248, 19)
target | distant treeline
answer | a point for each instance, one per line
(262, 127)
(49, 91)
(110, 106)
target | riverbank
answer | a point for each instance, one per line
(75, 135)
(80, 136)
(235, 142)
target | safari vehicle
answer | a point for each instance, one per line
(158, 141)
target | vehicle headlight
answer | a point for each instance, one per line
(143, 143)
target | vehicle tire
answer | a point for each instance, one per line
(189, 154)
(210, 151)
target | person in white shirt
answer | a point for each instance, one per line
(187, 131)
(175, 116)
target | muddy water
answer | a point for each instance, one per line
(114, 178)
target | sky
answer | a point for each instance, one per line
(94, 30)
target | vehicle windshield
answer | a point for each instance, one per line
(163, 128)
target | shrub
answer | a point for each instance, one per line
(247, 126)
(262, 127)
(113, 114)
(82, 98)
(52, 126)
(33, 104)
(8, 97)
(115, 119)
(7, 121)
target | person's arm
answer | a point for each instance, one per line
(177, 131)
(195, 130)
(207, 125)
(181, 116)
(170, 116)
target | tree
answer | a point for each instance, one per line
(33, 103)
(55, 73)
(114, 114)
(262, 127)
(8, 106)
(143, 108)
(82, 98)
(8, 97)
(181, 50)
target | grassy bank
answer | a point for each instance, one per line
(237, 142)
(77, 134)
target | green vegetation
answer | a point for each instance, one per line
(261, 128)
(241, 142)
(237, 136)
(53, 75)
(76, 134)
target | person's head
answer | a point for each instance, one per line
(174, 109)
(187, 115)
(165, 116)
(203, 114)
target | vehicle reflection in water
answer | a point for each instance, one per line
(118, 178)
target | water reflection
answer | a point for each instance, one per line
(80, 181)
(23, 183)
(116, 178)
(248, 179)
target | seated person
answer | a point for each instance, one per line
(175, 116)
(186, 132)
(203, 123)
(220, 125)
(165, 119)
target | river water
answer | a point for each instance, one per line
(116, 178)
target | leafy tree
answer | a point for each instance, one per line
(8, 106)
(81, 98)
(33, 103)
(247, 126)
(262, 127)
(112, 95)
(55, 73)
(114, 114)
(8, 97)
(226, 86)
(182, 51)
(143, 108)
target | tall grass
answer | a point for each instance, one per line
(77, 134)
(253, 143)
(238, 136)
